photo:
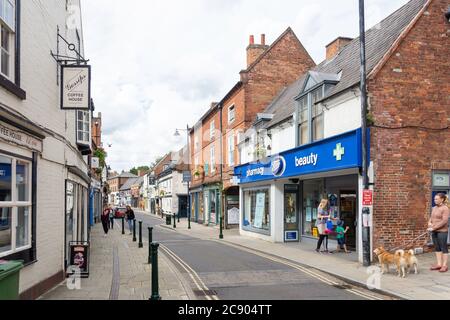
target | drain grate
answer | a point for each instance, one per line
(202, 293)
(342, 286)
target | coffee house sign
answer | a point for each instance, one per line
(76, 87)
(20, 138)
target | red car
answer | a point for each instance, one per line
(119, 212)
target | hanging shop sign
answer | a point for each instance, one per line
(335, 153)
(75, 87)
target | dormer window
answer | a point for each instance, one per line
(310, 125)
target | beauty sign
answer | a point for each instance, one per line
(76, 87)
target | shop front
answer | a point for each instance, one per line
(280, 195)
(211, 203)
(197, 207)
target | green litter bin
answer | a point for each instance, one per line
(9, 280)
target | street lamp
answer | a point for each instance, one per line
(177, 134)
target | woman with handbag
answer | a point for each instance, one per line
(321, 223)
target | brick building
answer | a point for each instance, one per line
(115, 184)
(215, 136)
(311, 137)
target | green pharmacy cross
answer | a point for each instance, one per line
(338, 152)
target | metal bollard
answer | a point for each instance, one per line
(155, 286)
(174, 221)
(150, 240)
(134, 230)
(178, 215)
(123, 225)
(141, 245)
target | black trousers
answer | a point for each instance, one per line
(105, 226)
(321, 238)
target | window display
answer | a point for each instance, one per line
(257, 209)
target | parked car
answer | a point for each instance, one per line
(119, 212)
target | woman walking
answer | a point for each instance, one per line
(105, 220)
(438, 226)
(130, 218)
(321, 224)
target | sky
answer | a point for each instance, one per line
(158, 64)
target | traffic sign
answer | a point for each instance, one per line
(368, 198)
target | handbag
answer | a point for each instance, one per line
(321, 228)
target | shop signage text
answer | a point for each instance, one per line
(76, 87)
(334, 153)
(367, 198)
(20, 138)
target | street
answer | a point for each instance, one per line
(219, 271)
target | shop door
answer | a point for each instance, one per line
(291, 214)
(348, 208)
(182, 207)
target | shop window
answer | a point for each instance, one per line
(313, 191)
(257, 210)
(15, 205)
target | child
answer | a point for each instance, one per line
(341, 236)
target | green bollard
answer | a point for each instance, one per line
(141, 245)
(123, 225)
(150, 240)
(134, 230)
(155, 286)
(174, 221)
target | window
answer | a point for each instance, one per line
(231, 114)
(231, 150)
(213, 160)
(83, 127)
(15, 205)
(7, 25)
(257, 210)
(196, 143)
(303, 121)
(212, 129)
(317, 115)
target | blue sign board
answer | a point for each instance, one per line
(335, 153)
(291, 236)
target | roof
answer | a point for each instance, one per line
(138, 181)
(124, 175)
(379, 40)
(127, 185)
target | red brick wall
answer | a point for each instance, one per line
(286, 61)
(415, 95)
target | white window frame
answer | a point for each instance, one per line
(88, 122)
(212, 130)
(10, 24)
(212, 159)
(231, 149)
(14, 204)
(9, 51)
(231, 109)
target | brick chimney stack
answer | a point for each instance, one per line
(255, 50)
(336, 45)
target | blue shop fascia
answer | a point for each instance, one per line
(280, 194)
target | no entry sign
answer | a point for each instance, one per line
(367, 198)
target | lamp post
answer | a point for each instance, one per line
(188, 205)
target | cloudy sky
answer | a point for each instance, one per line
(158, 64)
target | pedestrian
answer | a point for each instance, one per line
(105, 220)
(130, 218)
(321, 224)
(438, 226)
(111, 217)
(340, 231)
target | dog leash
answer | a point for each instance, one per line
(425, 233)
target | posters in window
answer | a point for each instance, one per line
(76, 87)
(259, 209)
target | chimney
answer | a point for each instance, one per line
(336, 45)
(254, 51)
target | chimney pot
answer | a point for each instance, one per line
(335, 46)
(252, 39)
(263, 39)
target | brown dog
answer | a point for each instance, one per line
(386, 259)
(411, 261)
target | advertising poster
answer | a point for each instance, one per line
(259, 210)
(79, 257)
(308, 214)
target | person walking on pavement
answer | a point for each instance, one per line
(130, 218)
(321, 224)
(105, 220)
(111, 217)
(438, 226)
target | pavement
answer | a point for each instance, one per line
(427, 285)
(119, 271)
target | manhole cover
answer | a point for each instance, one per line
(202, 293)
